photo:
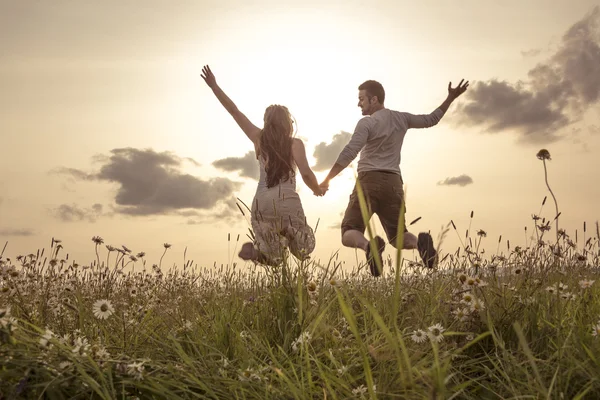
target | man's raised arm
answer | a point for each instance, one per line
(429, 120)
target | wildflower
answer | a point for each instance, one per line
(167, 245)
(584, 284)
(568, 296)
(103, 309)
(562, 287)
(477, 305)
(133, 292)
(225, 362)
(336, 334)
(467, 298)
(481, 233)
(81, 346)
(136, 370)
(187, 325)
(419, 336)
(45, 339)
(461, 314)
(98, 240)
(244, 335)
(334, 282)
(141, 254)
(312, 287)
(305, 337)
(551, 289)
(470, 282)
(543, 154)
(125, 249)
(435, 332)
(246, 374)
(342, 370)
(462, 278)
(359, 390)
(101, 353)
(64, 365)
(469, 337)
(110, 248)
(596, 330)
(480, 283)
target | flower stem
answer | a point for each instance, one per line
(553, 197)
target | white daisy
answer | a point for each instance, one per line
(435, 332)
(461, 314)
(419, 336)
(103, 309)
(477, 305)
(45, 339)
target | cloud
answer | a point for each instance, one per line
(193, 162)
(16, 232)
(151, 183)
(327, 154)
(531, 52)
(247, 165)
(73, 173)
(556, 94)
(72, 213)
(462, 180)
(593, 129)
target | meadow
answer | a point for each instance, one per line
(521, 323)
(518, 323)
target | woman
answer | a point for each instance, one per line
(278, 219)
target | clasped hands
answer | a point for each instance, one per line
(323, 188)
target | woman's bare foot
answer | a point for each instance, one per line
(248, 252)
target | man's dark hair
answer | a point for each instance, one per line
(373, 88)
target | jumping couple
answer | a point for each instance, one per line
(278, 219)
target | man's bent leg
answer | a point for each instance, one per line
(355, 239)
(410, 241)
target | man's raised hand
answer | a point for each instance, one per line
(457, 91)
(208, 77)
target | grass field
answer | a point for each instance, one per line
(520, 323)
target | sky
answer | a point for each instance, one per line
(108, 130)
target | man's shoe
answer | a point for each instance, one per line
(380, 245)
(426, 250)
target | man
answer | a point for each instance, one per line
(379, 139)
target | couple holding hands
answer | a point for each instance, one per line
(278, 219)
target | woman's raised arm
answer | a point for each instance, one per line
(248, 127)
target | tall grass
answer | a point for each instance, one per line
(520, 324)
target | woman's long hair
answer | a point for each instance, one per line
(275, 145)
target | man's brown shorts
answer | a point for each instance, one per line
(384, 195)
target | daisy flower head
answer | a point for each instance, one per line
(467, 298)
(461, 314)
(477, 305)
(596, 329)
(470, 282)
(436, 332)
(419, 336)
(103, 309)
